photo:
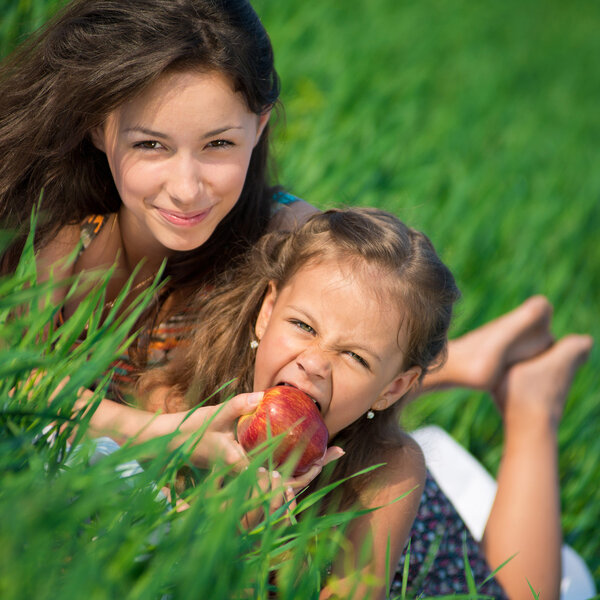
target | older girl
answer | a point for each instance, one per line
(143, 129)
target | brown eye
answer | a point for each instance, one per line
(148, 145)
(220, 144)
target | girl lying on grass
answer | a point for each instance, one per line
(353, 308)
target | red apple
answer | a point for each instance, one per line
(287, 410)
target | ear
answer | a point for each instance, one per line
(397, 388)
(97, 137)
(263, 119)
(266, 308)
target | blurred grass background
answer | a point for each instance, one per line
(477, 122)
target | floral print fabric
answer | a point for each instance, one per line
(437, 547)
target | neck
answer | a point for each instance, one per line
(137, 246)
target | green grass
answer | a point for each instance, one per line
(70, 527)
(478, 123)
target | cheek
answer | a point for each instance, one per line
(339, 419)
(273, 353)
(352, 399)
(228, 178)
(265, 367)
(134, 178)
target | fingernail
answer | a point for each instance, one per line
(276, 474)
(254, 398)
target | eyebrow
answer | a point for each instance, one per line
(158, 134)
(367, 350)
(353, 345)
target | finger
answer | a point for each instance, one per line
(180, 505)
(244, 404)
(254, 516)
(290, 498)
(263, 480)
(239, 405)
(236, 457)
(332, 453)
(301, 481)
(278, 497)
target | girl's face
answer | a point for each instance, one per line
(179, 153)
(328, 334)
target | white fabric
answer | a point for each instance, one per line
(471, 489)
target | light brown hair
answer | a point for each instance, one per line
(220, 350)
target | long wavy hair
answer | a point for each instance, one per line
(90, 58)
(412, 275)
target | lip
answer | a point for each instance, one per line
(183, 220)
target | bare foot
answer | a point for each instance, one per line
(535, 390)
(480, 358)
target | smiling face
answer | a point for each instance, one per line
(179, 153)
(327, 333)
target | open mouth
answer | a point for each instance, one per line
(285, 383)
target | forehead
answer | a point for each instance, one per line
(356, 296)
(343, 274)
(205, 94)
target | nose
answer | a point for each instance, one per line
(184, 180)
(314, 362)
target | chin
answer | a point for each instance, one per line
(185, 245)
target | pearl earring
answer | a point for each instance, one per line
(370, 414)
(254, 344)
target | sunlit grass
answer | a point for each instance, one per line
(77, 523)
(478, 123)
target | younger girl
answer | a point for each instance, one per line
(353, 308)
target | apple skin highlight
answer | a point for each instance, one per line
(288, 410)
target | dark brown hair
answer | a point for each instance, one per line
(411, 274)
(93, 56)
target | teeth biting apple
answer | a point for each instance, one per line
(286, 384)
(287, 410)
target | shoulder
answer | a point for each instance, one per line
(393, 495)
(395, 492)
(63, 254)
(404, 471)
(55, 254)
(289, 212)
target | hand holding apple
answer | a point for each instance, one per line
(287, 410)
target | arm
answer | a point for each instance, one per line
(405, 471)
(124, 423)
